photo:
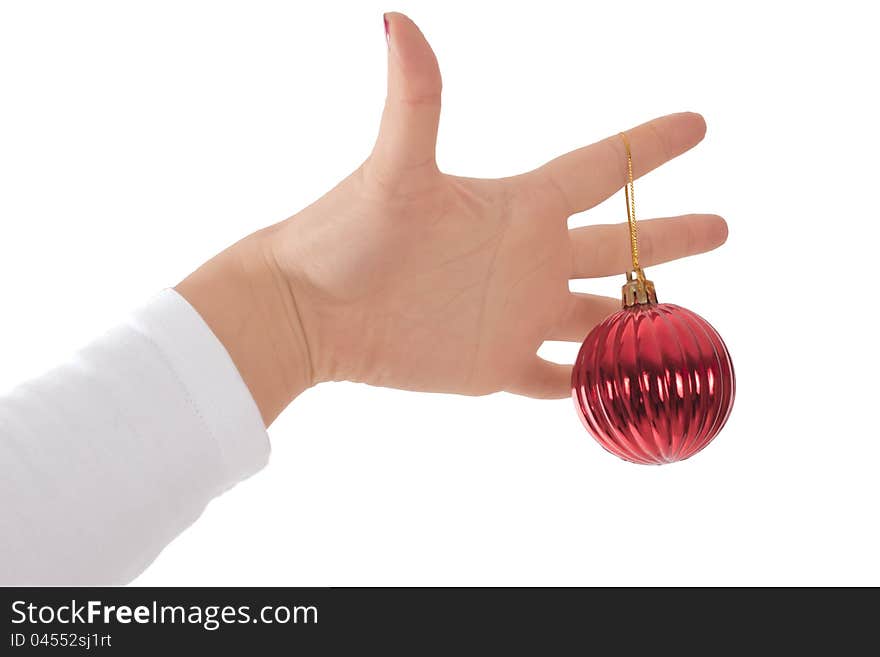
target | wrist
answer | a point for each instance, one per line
(245, 299)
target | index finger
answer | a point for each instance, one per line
(587, 176)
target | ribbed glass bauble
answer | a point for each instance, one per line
(653, 383)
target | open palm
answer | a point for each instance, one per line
(406, 277)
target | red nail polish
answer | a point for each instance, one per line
(387, 31)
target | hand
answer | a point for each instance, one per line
(406, 277)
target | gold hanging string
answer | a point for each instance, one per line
(629, 191)
(637, 290)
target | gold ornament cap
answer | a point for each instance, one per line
(638, 290)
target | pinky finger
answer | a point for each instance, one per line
(542, 379)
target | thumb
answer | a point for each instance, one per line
(408, 133)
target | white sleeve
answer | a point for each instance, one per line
(107, 458)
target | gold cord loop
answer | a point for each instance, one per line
(637, 289)
(629, 191)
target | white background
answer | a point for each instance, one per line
(138, 139)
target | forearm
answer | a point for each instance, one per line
(246, 301)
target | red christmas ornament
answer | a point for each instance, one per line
(653, 383)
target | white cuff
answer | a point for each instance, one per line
(213, 385)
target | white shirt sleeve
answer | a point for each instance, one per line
(107, 458)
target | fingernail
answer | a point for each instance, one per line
(387, 30)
